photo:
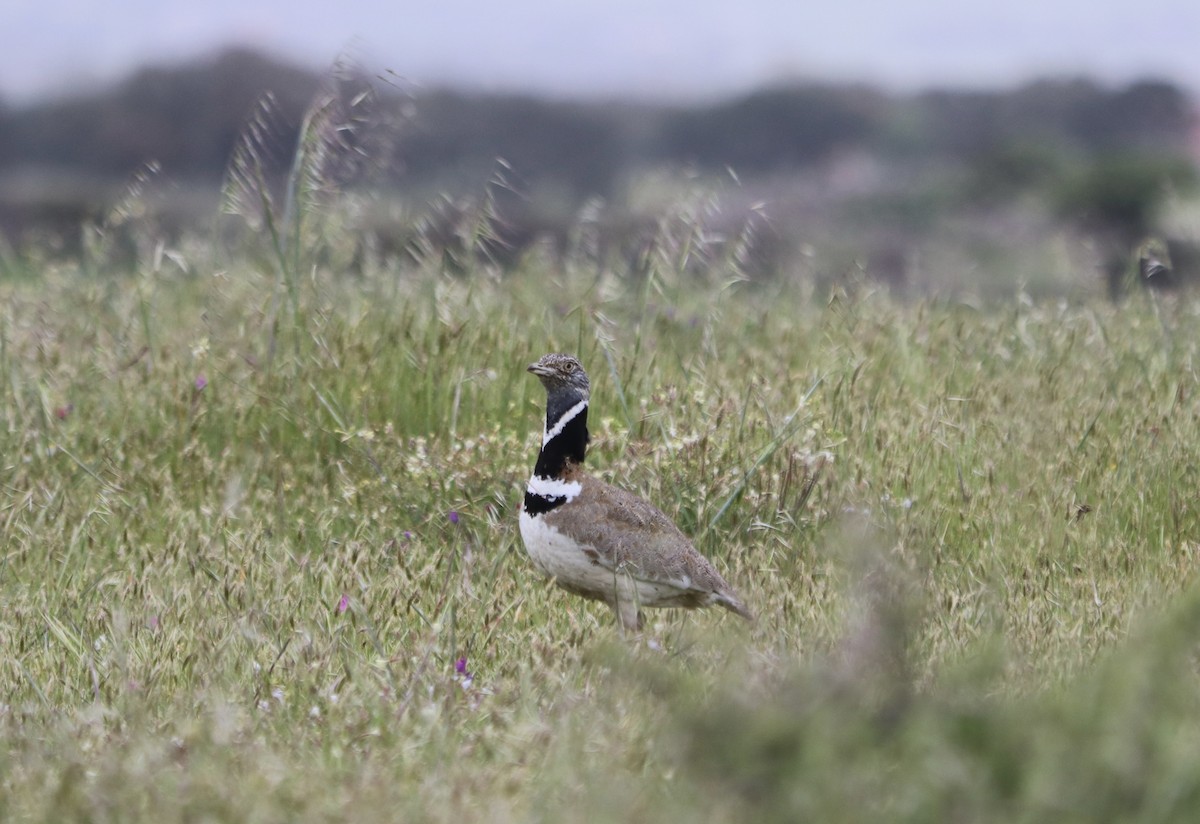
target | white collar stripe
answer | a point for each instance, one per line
(561, 424)
(553, 488)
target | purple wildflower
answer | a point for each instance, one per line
(407, 535)
(465, 677)
(201, 382)
(453, 517)
(343, 604)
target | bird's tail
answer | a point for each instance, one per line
(734, 604)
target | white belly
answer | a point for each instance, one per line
(562, 559)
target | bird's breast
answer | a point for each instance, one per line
(561, 557)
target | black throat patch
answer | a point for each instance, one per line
(567, 425)
(566, 421)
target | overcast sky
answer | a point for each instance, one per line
(655, 48)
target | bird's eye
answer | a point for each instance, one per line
(568, 367)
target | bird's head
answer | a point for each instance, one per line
(561, 373)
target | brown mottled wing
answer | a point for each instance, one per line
(628, 533)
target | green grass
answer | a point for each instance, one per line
(970, 536)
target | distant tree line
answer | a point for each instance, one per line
(188, 118)
(1101, 155)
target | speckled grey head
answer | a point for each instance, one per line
(561, 374)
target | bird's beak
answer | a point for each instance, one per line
(538, 369)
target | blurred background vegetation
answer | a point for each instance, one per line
(1047, 187)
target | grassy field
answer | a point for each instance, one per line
(260, 557)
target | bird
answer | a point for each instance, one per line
(596, 540)
(1154, 263)
(1161, 263)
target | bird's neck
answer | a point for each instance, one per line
(564, 441)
